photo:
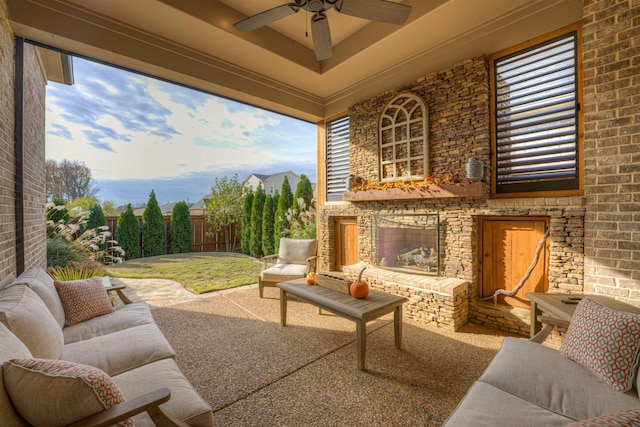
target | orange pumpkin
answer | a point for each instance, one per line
(359, 289)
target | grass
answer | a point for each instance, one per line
(199, 272)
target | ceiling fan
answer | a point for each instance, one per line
(374, 10)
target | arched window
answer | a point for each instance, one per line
(404, 142)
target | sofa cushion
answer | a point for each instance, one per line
(625, 418)
(605, 341)
(127, 316)
(544, 377)
(42, 284)
(6, 281)
(24, 314)
(10, 348)
(83, 299)
(488, 406)
(284, 272)
(296, 251)
(185, 403)
(122, 350)
(67, 391)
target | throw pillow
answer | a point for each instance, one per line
(83, 299)
(605, 341)
(624, 418)
(48, 392)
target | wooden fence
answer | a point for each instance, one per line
(199, 229)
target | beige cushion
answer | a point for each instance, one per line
(121, 351)
(185, 404)
(24, 314)
(10, 348)
(42, 284)
(6, 281)
(283, 272)
(127, 316)
(296, 251)
(66, 391)
(83, 299)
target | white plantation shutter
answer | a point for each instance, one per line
(337, 158)
(536, 117)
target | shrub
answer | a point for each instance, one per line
(245, 239)
(303, 222)
(255, 246)
(304, 191)
(281, 223)
(57, 212)
(128, 233)
(154, 230)
(77, 271)
(96, 217)
(180, 229)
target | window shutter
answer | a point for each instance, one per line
(337, 158)
(536, 117)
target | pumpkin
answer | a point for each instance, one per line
(311, 278)
(359, 289)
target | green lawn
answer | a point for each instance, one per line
(199, 272)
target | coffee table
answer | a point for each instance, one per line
(360, 311)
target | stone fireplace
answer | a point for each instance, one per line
(407, 243)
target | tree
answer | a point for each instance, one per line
(304, 191)
(245, 238)
(223, 210)
(82, 203)
(96, 217)
(268, 246)
(69, 180)
(109, 208)
(154, 230)
(180, 229)
(255, 245)
(128, 233)
(281, 224)
(57, 212)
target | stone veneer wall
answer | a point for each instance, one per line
(459, 128)
(35, 243)
(611, 75)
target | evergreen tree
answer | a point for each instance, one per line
(267, 226)
(57, 212)
(180, 229)
(96, 217)
(128, 233)
(304, 190)
(154, 230)
(281, 223)
(255, 246)
(245, 240)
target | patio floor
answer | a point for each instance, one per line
(253, 371)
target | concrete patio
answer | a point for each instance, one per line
(253, 371)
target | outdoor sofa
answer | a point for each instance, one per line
(590, 381)
(54, 373)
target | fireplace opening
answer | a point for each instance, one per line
(408, 243)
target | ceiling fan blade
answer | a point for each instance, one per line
(266, 17)
(321, 36)
(376, 10)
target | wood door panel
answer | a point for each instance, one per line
(508, 249)
(346, 242)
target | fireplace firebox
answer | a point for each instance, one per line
(408, 243)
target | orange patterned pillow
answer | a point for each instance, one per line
(83, 299)
(49, 392)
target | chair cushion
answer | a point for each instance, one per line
(83, 299)
(624, 418)
(11, 348)
(605, 341)
(24, 314)
(296, 251)
(42, 284)
(67, 391)
(283, 272)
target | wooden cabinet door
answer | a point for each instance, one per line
(508, 248)
(346, 242)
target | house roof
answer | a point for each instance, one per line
(274, 67)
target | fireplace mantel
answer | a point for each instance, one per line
(476, 189)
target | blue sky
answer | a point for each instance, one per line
(138, 134)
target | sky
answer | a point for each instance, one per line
(138, 134)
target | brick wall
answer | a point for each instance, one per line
(7, 183)
(611, 68)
